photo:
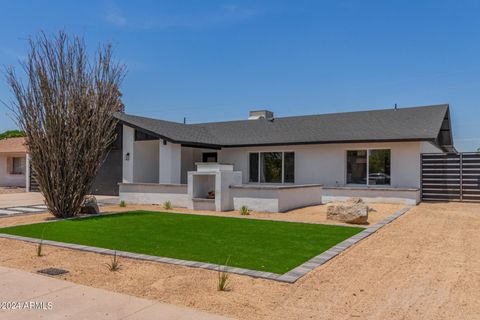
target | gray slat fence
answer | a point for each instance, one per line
(450, 177)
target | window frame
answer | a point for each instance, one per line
(12, 171)
(368, 167)
(259, 166)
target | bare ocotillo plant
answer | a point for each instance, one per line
(65, 104)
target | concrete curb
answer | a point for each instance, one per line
(290, 277)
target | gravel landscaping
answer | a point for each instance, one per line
(424, 265)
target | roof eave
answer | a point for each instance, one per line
(328, 142)
(184, 143)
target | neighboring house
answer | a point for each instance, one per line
(13, 162)
(276, 164)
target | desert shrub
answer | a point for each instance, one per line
(167, 205)
(40, 244)
(223, 278)
(244, 211)
(40, 248)
(114, 264)
(64, 101)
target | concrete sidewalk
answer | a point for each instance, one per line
(72, 301)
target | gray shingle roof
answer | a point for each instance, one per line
(417, 123)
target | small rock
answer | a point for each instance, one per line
(90, 206)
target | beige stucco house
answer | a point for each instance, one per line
(13, 163)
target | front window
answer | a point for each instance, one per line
(272, 167)
(18, 165)
(369, 167)
(357, 167)
(253, 167)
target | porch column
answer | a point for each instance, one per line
(170, 159)
(27, 172)
(127, 153)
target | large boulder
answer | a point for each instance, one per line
(353, 211)
(90, 206)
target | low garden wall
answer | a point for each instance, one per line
(275, 198)
(154, 193)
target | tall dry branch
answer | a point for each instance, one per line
(65, 103)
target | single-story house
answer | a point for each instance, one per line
(13, 163)
(276, 164)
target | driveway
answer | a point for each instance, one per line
(20, 199)
(33, 202)
(32, 296)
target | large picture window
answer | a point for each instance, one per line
(369, 167)
(272, 167)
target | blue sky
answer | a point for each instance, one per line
(216, 60)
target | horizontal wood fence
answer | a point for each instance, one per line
(451, 177)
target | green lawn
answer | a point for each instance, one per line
(253, 244)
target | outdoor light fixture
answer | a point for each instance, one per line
(127, 156)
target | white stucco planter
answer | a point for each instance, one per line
(275, 198)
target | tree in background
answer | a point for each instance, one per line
(11, 134)
(65, 105)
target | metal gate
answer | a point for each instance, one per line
(451, 177)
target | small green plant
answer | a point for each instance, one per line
(167, 205)
(39, 248)
(114, 264)
(123, 204)
(40, 244)
(244, 211)
(223, 276)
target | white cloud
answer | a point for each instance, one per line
(222, 15)
(117, 19)
(115, 16)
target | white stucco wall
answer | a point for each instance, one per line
(170, 162)
(271, 199)
(127, 148)
(144, 193)
(11, 180)
(145, 163)
(326, 163)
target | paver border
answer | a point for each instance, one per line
(289, 277)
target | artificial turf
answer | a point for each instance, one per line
(262, 245)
